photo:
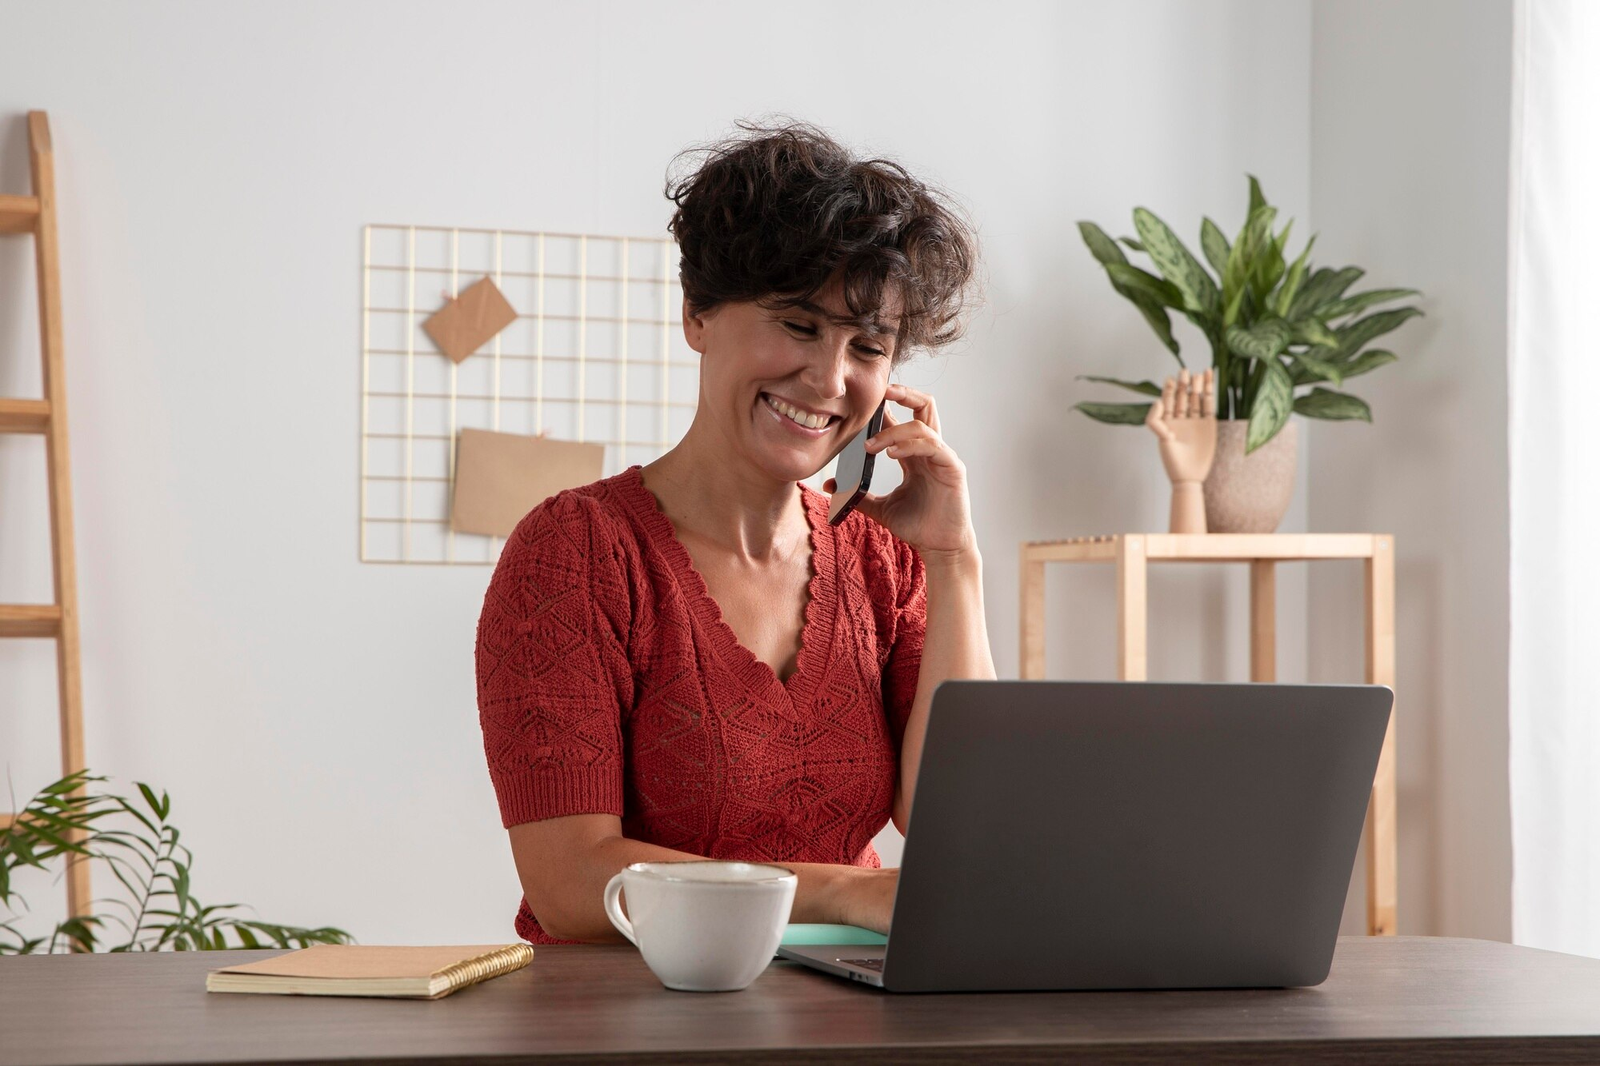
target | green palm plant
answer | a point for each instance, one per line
(139, 845)
(1273, 327)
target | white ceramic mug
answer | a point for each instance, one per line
(703, 925)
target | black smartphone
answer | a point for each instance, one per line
(853, 474)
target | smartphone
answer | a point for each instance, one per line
(853, 474)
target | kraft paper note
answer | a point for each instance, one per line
(467, 323)
(500, 477)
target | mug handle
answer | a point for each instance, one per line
(613, 897)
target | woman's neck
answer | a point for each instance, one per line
(729, 504)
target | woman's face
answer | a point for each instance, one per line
(760, 368)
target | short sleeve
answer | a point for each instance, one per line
(552, 665)
(910, 626)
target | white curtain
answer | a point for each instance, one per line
(1554, 425)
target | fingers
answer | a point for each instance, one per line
(910, 439)
(900, 434)
(1189, 396)
(924, 447)
(1155, 418)
(830, 485)
(919, 403)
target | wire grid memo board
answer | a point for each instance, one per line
(595, 354)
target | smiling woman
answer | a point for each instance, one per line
(686, 660)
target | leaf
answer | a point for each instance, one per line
(1309, 368)
(71, 783)
(161, 806)
(1176, 264)
(1156, 315)
(1325, 286)
(1269, 266)
(1353, 337)
(1231, 315)
(1116, 414)
(1335, 406)
(1214, 246)
(1106, 251)
(1242, 256)
(1131, 243)
(1362, 300)
(1271, 407)
(1291, 284)
(1256, 199)
(1146, 284)
(1263, 340)
(1312, 331)
(128, 808)
(1103, 248)
(1148, 388)
(1371, 359)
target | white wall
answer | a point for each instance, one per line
(314, 717)
(1410, 136)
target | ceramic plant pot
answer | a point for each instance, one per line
(1249, 493)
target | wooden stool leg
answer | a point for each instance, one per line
(1263, 620)
(1131, 563)
(1031, 634)
(1382, 844)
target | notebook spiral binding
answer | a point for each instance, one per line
(470, 971)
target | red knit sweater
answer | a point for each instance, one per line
(608, 682)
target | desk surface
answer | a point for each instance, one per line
(1405, 999)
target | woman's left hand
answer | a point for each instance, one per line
(929, 509)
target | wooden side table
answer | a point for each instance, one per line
(1132, 552)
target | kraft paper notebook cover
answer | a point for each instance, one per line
(367, 970)
(500, 477)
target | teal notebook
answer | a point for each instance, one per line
(831, 934)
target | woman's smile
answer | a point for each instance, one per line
(808, 424)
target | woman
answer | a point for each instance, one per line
(686, 660)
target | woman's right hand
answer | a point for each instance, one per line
(866, 898)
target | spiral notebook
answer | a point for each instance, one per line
(370, 970)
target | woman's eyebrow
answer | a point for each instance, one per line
(875, 327)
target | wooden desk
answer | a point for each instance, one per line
(1133, 552)
(1403, 999)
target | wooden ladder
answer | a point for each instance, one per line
(36, 214)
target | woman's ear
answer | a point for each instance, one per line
(694, 328)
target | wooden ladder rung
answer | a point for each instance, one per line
(6, 820)
(24, 416)
(18, 214)
(30, 620)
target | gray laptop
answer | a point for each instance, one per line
(1080, 835)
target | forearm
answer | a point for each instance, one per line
(572, 909)
(955, 645)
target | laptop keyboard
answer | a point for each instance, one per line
(876, 965)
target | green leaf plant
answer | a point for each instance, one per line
(1274, 327)
(133, 840)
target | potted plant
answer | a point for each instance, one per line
(136, 842)
(1274, 328)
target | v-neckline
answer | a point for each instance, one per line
(819, 586)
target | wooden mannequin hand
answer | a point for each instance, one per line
(1184, 419)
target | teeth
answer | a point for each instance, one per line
(794, 414)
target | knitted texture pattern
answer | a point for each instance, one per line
(608, 682)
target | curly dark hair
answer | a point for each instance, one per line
(774, 215)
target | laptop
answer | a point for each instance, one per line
(1126, 835)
